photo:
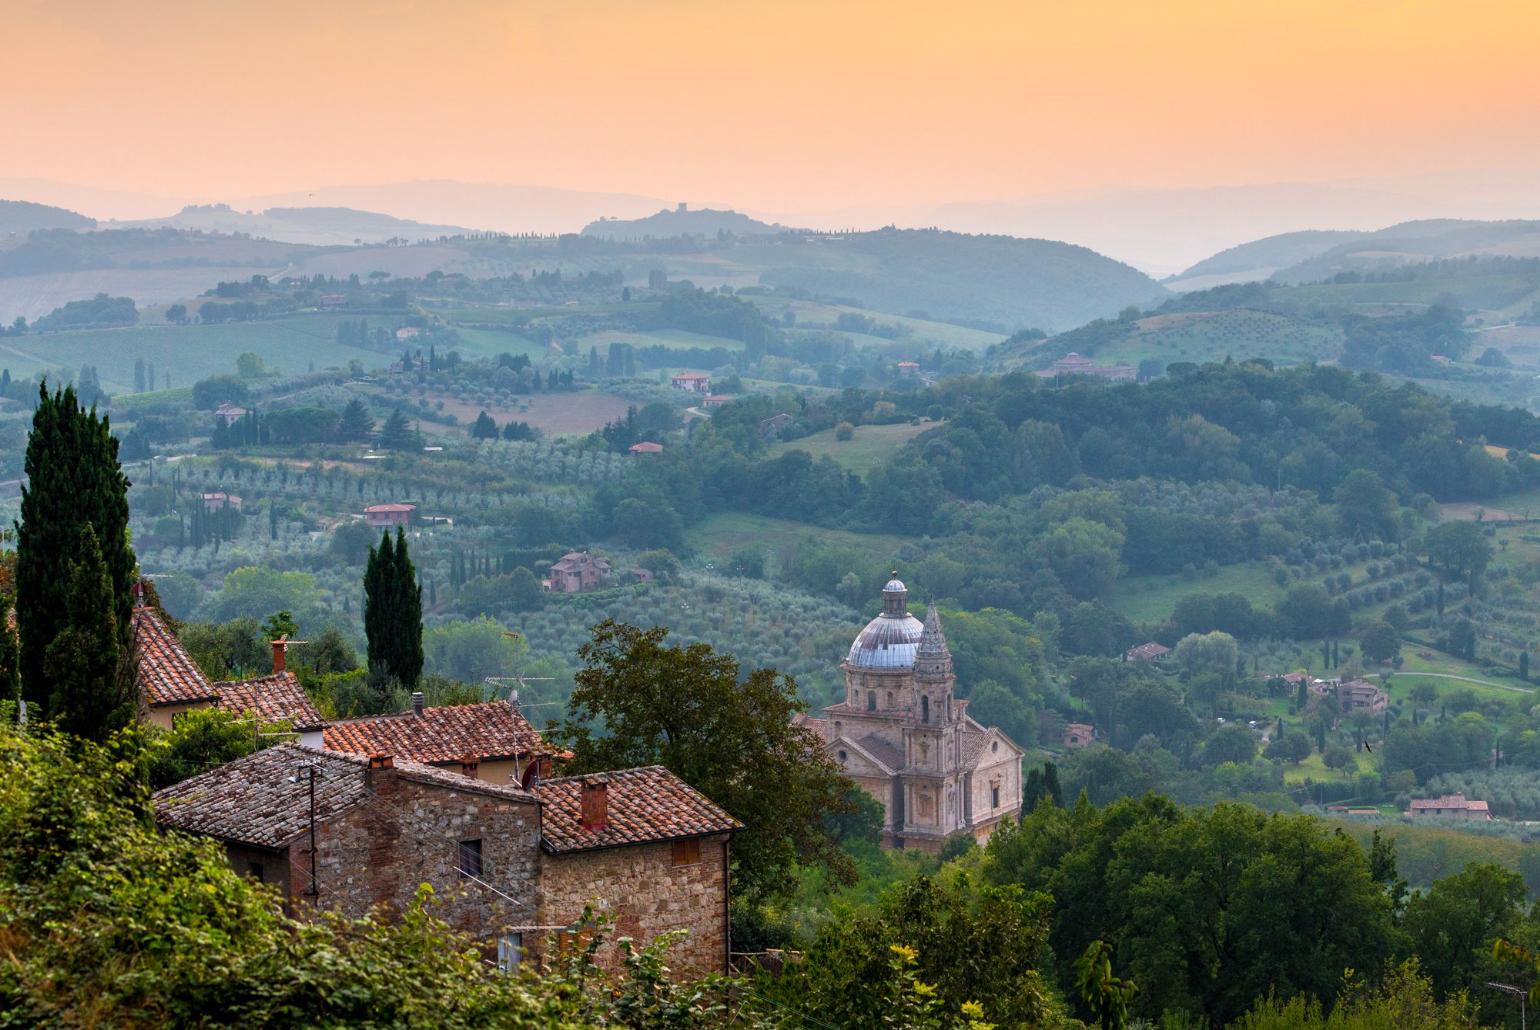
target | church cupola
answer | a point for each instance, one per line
(895, 598)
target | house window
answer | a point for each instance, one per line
(687, 852)
(994, 795)
(470, 857)
(871, 700)
(843, 756)
(510, 952)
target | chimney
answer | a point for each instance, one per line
(280, 654)
(595, 811)
(382, 762)
(417, 702)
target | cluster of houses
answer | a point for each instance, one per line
(1073, 364)
(1354, 695)
(352, 815)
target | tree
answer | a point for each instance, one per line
(1229, 743)
(1083, 554)
(1366, 508)
(355, 423)
(1380, 642)
(393, 615)
(92, 690)
(1454, 924)
(397, 434)
(74, 483)
(471, 651)
(732, 739)
(1105, 995)
(176, 314)
(484, 428)
(200, 740)
(1459, 550)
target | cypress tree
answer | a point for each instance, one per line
(393, 614)
(92, 689)
(74, 483)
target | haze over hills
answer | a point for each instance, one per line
(680, 221)
(321, 226)
(19, 217)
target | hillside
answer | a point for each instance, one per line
(19, 217)
(317, 226)
(679, 222)
(1259, 259)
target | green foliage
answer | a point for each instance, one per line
(471, 651)
(92, 688)
(1403, 1001)
(201, 739)
(731, 738)
(256, 591)
(95, 313)
(74, 484)
(393, 614)
(1105, 995)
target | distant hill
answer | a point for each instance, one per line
(1259, 259)
(317, 226)
(22, 216)
(680, 221)
(1002, 281)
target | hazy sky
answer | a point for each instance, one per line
(771, 104)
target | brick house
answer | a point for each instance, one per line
(575, 572)
(1361, 696)
(1147, 652)
(383, 516)
(170, 683)
(510, 865)
(644, 847)
(382, 827)
(490, 741)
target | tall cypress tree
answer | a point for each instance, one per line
(92, 689)
(74, 483)
(393, 614)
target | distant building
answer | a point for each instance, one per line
(716, 400)
(1078, 735)
(646, 447)
(221, 501)
(408, 332)
(1073, 364)
(230, 414)
(908, 368)
(691, 382)
(1449, 806)
(772, 427)
(382, 516)
(1147, 652)
(1361, 696)
(576, 572)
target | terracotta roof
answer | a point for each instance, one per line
(274, 698)
(1148, 651)
(1452, 801)
(691, 375)
(646, 447)
(644, 806)
(386, 508)
(486, 732)
(259, 800)
(881, 750)
(166, 673)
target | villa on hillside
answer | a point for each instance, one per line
(1073, 364)
(383, 516)
(1449, 806)
(691, 382)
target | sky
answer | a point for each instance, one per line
(785, 106)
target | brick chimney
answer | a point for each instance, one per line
(382, 762)
(280, 654)
(416, 702)
(595, 811)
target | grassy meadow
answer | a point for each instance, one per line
(870, 447)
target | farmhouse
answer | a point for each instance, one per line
(1449, 806)
(507, 864)
(903, 737)
(221, 501)
(908, 368)
(230, 414)
(772, 427)
(170, 683)
(716, 400)
(382, 516)
(1073, 364)
(576, 572)
(490, 741)
(1147, 652)
(691, 382)
(646, 447)
(1078, 735)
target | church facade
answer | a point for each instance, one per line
(904, 738)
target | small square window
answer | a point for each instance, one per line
(470, 857)
(687, 852)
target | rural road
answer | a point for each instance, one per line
(1468, 679)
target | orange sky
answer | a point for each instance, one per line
(774, 104)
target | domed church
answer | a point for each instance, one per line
(903, 737)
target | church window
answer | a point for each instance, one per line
(842, 756)
(995, 746)
(994, 795)
(890, 699)
(871, 700)
(925, 709)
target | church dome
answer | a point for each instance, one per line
(890, 640)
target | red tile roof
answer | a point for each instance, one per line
(166, 672)
(646, 447)
(644, 805)
(380, 509)
(259, 800)
(486, 732)
(275, 698)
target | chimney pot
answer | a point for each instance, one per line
(382, 762)
(594, 812)
(280, 654)
(417, 702)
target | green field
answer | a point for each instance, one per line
(189, 353)
(673, 339)
(719, 536)
(1215, 335)
(870, 448)
(811, 313)
(1151, 598)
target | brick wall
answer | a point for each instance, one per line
(408, 834)
(646, 894)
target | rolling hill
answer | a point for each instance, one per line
(680, 221)
(20, 217)
(316, 226)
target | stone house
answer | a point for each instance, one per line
(170, 683)
(220, 501)
(902, 736)
(230, 414)
(514, 868)
(1361, 696)
(383, 516)
(575, 572)
(491, 741)
(1449, 806)
(644, 847)
(691, 382)
(1078, 735)
(1147, 652)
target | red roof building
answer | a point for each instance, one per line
(691, 382)
(646, 447)
(385, 515)
(491, 741)
(1147, 652)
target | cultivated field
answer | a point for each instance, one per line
(870, 448)
(719, 536)
(557, 414)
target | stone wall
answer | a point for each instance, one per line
(646, 894)
(409, 833)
